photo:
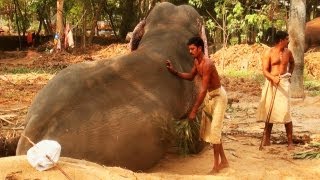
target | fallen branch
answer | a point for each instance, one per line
(7, 121)
(234, 154)
(56, 165)
(232, 138)
(14, 109)
(12, 128)
(283, 158)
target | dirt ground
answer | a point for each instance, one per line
(241, 133)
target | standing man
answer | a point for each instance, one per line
(277, 67)
(212, 95)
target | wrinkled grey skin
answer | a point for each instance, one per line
(114, 111)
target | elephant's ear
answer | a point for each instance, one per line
(203, 36)
(137, 35)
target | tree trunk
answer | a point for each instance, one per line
(48, 23)
(17, 23)
(297, 21)
(11, 16)
(59, 22)
(112, 24)
(40, 12)
(46, 27)
(84, 27)
(18, 9)
(96, 12)
(309, 11)
(128, 17)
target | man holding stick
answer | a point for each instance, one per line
(277, 67)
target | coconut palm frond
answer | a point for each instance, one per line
(313, 153)
(187, 135)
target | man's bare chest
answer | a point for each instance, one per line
(279, 58)
(200, 69)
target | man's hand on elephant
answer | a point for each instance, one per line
(170, 67)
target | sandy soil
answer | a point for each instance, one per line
(241, 133)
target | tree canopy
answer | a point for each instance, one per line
(227, 21)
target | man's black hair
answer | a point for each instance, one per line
(280, 35)
(197, 41)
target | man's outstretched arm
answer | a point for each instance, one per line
(188, 76)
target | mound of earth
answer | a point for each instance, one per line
(249, 57)
(312, 64)
(34, 59)
(17, 167)
(240, 57)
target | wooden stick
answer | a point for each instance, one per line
(268, 118)
(59, 168)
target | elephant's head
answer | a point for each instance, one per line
(114, 111)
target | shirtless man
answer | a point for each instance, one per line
(212, 95)
(278, 65)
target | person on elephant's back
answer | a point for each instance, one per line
(212, 95)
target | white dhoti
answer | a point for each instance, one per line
(280, 113)
(215, 104)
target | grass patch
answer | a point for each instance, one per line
(258, 77)
(312, 86)
(26, 70)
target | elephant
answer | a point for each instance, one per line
(116, 111)
(312, 33)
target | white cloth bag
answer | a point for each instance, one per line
(37, 155)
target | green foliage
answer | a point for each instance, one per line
(196, 3)
(228, 18)
(242, 16)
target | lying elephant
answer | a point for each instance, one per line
(312, 33)
(115, 111)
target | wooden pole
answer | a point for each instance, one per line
(268, 117)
